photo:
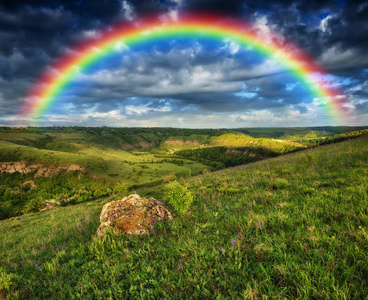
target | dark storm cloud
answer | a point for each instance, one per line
(343, 36)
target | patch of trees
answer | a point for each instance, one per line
(334, 139)
(220, 157)
(21, 193)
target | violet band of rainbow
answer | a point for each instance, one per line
(51, 84)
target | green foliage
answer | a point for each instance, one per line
(34, 204)
(178, 196)
(120, 189)
(221, 157)
(334, 139)
(280, 183)
(22, 193)
(169, 177)
(5, 281)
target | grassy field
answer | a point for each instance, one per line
(294, 226)
(105, 158)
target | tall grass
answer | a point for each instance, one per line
(294, 226)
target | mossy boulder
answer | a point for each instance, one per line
(132, 215)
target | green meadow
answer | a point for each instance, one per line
(291, 226)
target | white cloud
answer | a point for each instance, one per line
(131, 110)
(91, 34)
(177, 2)
(231, 46)
(267, 67)
(128, 10)
(120, 46)
(261, 25)
(170, 16)
(323, 26)
(265, 31)
(289, 118)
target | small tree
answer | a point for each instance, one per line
(178, 196)
(169, 177)
(120, 189)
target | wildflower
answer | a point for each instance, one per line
(22, 262)
(38, 267)
(259, 225)
(222, 250)
(233, 242)
(68, 235)
(180, 266)
(11, 264)
(239, 234)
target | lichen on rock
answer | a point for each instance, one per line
(132, 215)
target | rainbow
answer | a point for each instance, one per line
(57, 77)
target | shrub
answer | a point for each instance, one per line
(169, 177)
(280, 183)
(34, 204)
(120, 189)
(178, 196)
(5, 281)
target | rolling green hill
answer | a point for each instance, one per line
(72, 165)
(298, 133)
(68, 165)
(293, 226)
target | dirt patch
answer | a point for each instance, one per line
(42, 170)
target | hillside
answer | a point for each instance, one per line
(64, 166)
(57, 166)
(294, 226)
(299, 133)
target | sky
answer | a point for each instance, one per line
(184, 82)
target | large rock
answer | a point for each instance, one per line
(132, 215)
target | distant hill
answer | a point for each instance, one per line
(299, 133)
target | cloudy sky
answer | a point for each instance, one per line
(184, 82)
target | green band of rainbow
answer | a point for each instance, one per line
(52, 83)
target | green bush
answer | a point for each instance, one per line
(34, 204)
(178, 196)
(280, 183)
(120, 189)
(169, 177)
(5, 281)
